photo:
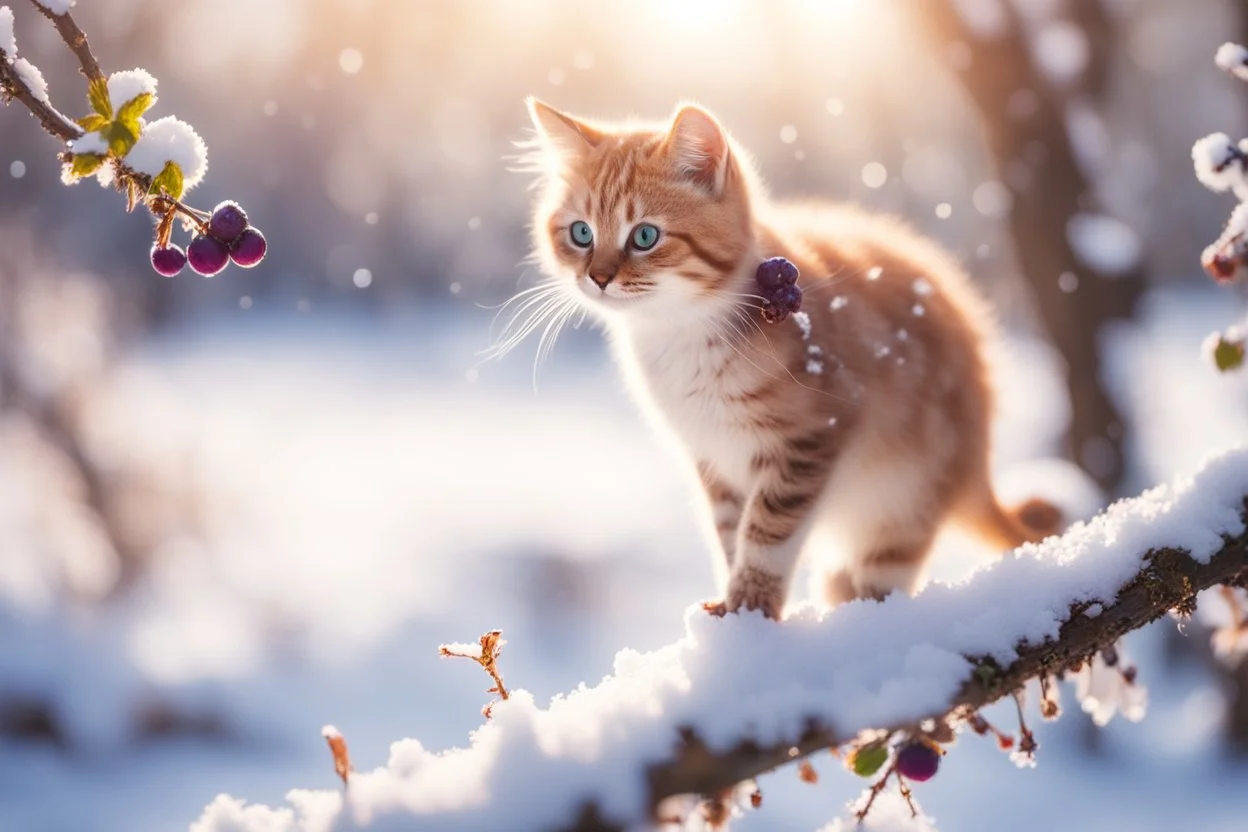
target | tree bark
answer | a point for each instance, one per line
(1036, 161)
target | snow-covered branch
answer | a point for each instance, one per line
(19, 80)
(741, 695)
(152, 163)
(1222, 165)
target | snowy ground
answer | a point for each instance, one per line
(368, 498)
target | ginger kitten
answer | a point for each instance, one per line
(865, 419)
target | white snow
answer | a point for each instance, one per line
(57, 6)
(814, 366)
(838, 302)
(8, 39)
(32, 78)
(922, 287)
(891, 663)
(129, 84)
(330, 732)
(889, 813)
(918, 311)
(1233, 58)
(1104, 243)
(874, 273)
(1220, 164)
(170, 140)
(802, 320)
(89, 143)
(459, 648)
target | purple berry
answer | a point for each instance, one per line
(782, 303)
(249, 249)
(227, 222)
(207, 255)
(918, 761)
(775, 273)
(168, 261)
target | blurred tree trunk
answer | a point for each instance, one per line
(1025, 127)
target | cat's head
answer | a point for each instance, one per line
(641, 220)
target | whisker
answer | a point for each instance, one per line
(523, 331)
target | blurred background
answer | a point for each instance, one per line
(233, 510)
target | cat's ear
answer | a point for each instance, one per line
(560, 131)
(698, 148)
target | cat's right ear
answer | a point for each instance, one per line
(698, 147)
(561, 132)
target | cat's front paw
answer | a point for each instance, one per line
(753, 589)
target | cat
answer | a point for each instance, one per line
(863, 420)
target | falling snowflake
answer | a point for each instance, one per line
(922, 287)
(802, 320)
(838, 302)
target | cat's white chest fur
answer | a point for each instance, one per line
(687, 380)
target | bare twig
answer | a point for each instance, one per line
(486, 654)
(75, 39)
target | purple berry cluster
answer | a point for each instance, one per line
(226, 236)
(777, 283)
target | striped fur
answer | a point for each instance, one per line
(869, 431)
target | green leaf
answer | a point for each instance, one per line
(133, 110)
(85, 164)
(1228, 354)
(868, 759)
(120, 138)
(169, 181)
(92, 122)
(97, 96)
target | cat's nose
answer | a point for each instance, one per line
(602, 279)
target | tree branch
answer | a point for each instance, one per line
(1169, 579)
(1048, 187)
(742, 695)
(75, 39)
(51, 119)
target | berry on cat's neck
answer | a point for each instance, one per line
(777, 283)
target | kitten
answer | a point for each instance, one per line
(864, 419)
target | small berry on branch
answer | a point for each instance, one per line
(918, 760)
(168, 261)
(207, 255)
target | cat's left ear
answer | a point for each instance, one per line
(560, 131)
(698, 147)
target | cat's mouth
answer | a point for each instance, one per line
(612, 295)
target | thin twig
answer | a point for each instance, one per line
(75, 39)
(51, 119)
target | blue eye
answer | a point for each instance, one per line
(581, 234)
(645, 236)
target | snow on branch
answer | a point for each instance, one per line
(152, 163)
(741, 695)
(1222, 165)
